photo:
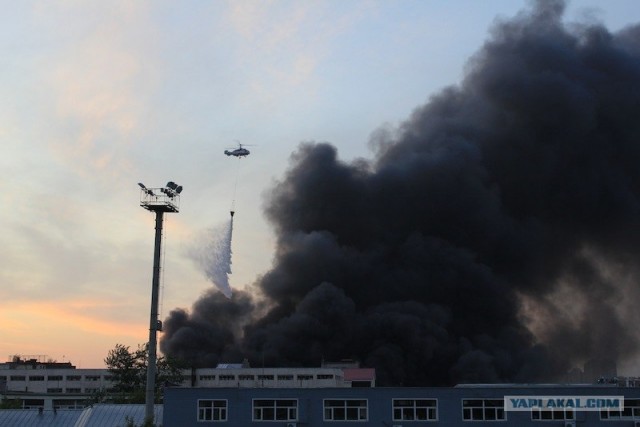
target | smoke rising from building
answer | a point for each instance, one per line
(493, 237)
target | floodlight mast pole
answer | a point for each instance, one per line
(153, 321)
(158, 200)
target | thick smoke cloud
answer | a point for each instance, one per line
(493, 237)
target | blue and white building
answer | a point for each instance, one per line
(464, 405)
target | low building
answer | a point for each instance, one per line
(99, 415)
(37, 384)
(470, 405)
(247, 377)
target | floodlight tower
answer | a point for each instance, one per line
(158, 200)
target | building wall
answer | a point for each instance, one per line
(271, 377)
(56, 381)
(39, 386)
(181, 405)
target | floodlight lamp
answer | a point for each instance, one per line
(142, 186)
(172, 185)
(179, 189)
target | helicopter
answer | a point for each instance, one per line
(238, 152)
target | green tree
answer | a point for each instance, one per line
(10, 404)
(129, 370)
(170, 371)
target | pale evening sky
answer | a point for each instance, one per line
(98, 96)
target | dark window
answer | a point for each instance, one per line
(212, 410)
(415, 410)
(538, 414)
(265, 377)
(631, 411)
(275, 409)
(345, 410)
(483, 410)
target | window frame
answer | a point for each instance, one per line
(483, 408)
(277, 409)
(632, 405)
(345, 408)
(223, 411)
(415, 407)
(564, 411)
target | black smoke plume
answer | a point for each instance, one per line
(494, 237)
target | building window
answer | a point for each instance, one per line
(631, 411)
(305, 377)
(18, 378)
(483, 410)
(265, 377)
(73, 390)
(246, 377)
(54, 378)
(67, 404)
(36, 378)
(92, 377)
(415, 410)
(54, 390)
(212, 410)
(275, 409)
(538, 414)
(346, 410)
(324, 377)
(33, 403)
(227, 377)
(73, 377)
(108, 377)
(207, 377)
(285, 377)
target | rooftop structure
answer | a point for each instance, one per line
(92, 416)
(39, 361)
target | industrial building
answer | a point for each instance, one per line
(334, 394)
(465, 405)
(37, 384)
(40, 384)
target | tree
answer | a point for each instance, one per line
(129, 370)
(10, 404)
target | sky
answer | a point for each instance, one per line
(98, 96)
